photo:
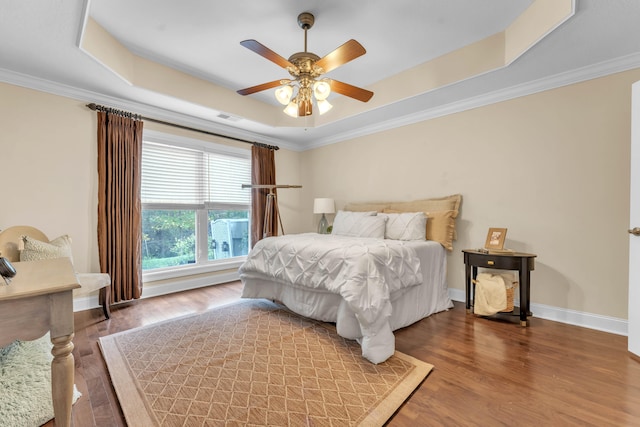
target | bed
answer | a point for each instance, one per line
(382, 268)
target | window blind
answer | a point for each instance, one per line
(226, 176)
(191, 178)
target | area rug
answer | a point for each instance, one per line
(253, 363)
(25, 383)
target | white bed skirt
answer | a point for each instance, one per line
(408, 304)
(414, 304)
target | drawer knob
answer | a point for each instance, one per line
(490, 262)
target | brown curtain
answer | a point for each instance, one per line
(263, 172)
(119, 206)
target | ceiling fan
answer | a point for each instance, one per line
(305, 69)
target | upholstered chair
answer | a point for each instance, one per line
(24, 243)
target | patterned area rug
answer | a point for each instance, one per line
(253, 363)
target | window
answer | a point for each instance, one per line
(194, 210)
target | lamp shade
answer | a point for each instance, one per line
(323, 205)
(324, 106)
(284, 94)
(321, 90)
(291, 110)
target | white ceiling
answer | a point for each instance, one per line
(203, 37)
(40, 39)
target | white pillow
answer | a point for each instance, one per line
(406, 226)
(35, 250)
(359, 224)
(345, 220)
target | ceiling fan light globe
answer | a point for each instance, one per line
(283, 94)
(321, 90)
(291, 110)
(324, 106)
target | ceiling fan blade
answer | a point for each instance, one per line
(265, 52)
(350, 91)
(263, 86)
(345, 53)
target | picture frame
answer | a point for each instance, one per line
(496, 238)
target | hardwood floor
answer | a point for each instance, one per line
(488, 372)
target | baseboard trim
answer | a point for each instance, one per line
(572, 317)
(91, 301)
(598, 322)
(185, 284)
(85, 303)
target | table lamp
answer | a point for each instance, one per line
(323, 206)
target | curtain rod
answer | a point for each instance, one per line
(96, 107)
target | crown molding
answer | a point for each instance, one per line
(590, 72)
(567, 78)
(54, 88)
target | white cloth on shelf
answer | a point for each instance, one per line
(490, 295)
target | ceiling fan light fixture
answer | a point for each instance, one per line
(305, 69)
(324, 106)
(283, 94)
(321, 90)
(291, 109)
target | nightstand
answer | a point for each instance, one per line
(519, 261)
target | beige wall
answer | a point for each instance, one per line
(48, 167)
(48, 161)
(552, 167)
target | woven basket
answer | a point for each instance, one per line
(510, 293)
(510, 305)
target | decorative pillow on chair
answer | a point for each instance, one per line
(406, 226)
(34, 250)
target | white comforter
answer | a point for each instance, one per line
(363, 271)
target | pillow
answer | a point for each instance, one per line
(447, 203)
(405, 226)
(344, 220)
(34, 250)
(359, 224)
(365, 207)
(441, 226)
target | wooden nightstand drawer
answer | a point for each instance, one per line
(494, 261)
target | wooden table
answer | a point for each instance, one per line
(39, 299)
(522, 262)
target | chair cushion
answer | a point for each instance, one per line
(90, 282)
